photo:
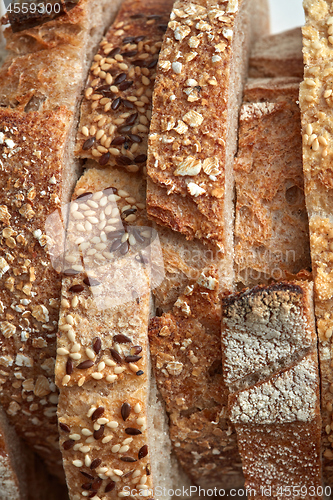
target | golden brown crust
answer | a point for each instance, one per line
(38, 108)
(30, 291)
(271, 228)
(116, 110)
(186, 355)
(188, 149)
(271, 367)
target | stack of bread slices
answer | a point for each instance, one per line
(166, 252)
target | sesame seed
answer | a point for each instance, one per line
(75, 355)
(65, 380)
(115, 448)
(97, 376)
(62, 351)
(77, 463)
(137, 408)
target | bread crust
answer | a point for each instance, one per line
(271, 368)
(315, 103)
(188, 145)
(186, 355)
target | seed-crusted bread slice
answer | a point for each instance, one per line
(271, 226)
(116, 110)
(114, 432)
(315, 103)
(195, 111)
(271, 367)
(40, 87)
(186, 354)
(278, 55)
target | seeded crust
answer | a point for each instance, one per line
(116, 111)
(315, 103)
(186, 355)
(271, 227)
(38, 108)
(195, 106)
(271, 367)
(93, 322)
(278, 55)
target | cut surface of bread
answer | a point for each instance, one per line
(114, 433)
(271, 226)
(316, 103)
(194, 125)
(277, 55)
(271, 367)
(13, 474)
(40, 86)
(186, 356)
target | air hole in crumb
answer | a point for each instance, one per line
(35, 103)
(293, 195)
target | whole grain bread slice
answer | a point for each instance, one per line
(271, 367)
(193, 132)
(186, 355)
(40, 86)
(114, 431)
(271, 224)
(315, 102)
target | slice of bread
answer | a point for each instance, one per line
(278, 55)
(271, 227)
(193, 135)
(40, 88)
(271, 367)
(316, 108)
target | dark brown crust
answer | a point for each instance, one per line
(261, 291)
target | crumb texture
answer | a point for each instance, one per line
(271, 227)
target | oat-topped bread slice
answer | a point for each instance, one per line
(40, 88)
(116, 110)
(277, 55)
(271, 226)
(114, 432)
(270, 359)
(316, 108)
(198, 91)
(186, 354)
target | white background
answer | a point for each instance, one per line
(285, 14)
